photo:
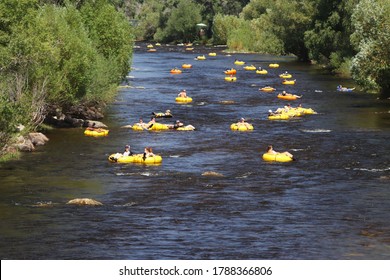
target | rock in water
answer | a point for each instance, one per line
(37, 138)
(84, 201)
(212, 173)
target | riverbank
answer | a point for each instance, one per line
(81, 115)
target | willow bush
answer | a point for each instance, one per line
(58, 53)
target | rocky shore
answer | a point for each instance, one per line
(75, 116)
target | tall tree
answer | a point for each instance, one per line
(181, 25)
(283, 22)
(328, 39)
(148, 19)
(371, 38)
(51, 52)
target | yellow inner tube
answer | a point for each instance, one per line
(287, 97)
(163, 115)
(212, 54)
(186, 66)
(183, 99)
(241, 127)
(269, 89)
(138, 158)
(238, 62)
(273, 65)
(262, 72)
(159, 126)
(285, 76)
(279, 117)
(137, 127)
(155, 126)
(230, 79)
(306, 111)
(288, 82)
(277, 157)
(185, 128)
(294, 113)
(96, 133)
(250, 68)
(201, 57)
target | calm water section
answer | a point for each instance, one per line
(332, 203)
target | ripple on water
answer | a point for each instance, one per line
(317, 207)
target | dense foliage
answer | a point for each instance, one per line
(64, 52)
(371, 38)
(159, 20)
(58, 53)
(347, 36)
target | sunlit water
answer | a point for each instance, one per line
(333, 202)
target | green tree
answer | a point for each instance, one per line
(181, 25)
(278, 26)
(371, 38)
(328, 39)
(56, 52)
(111, 34)
(149, 19)
(51, 60)
(222, 27)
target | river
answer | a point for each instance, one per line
(333, 202)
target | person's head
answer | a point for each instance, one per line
(168, 111)
(140, 120)
(269, 148)
(270, 111)
(127, 147)
(242, 120)
(288, 105)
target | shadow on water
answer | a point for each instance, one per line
(331, 203)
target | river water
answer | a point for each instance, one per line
(333, 202)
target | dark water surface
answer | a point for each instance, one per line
(332, 203)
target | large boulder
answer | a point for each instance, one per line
(24, 144)
(84, 201)
(37, 138)
(74, 116)
(74, 122)
(84, 111)
(89, 123)
(212, 174)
